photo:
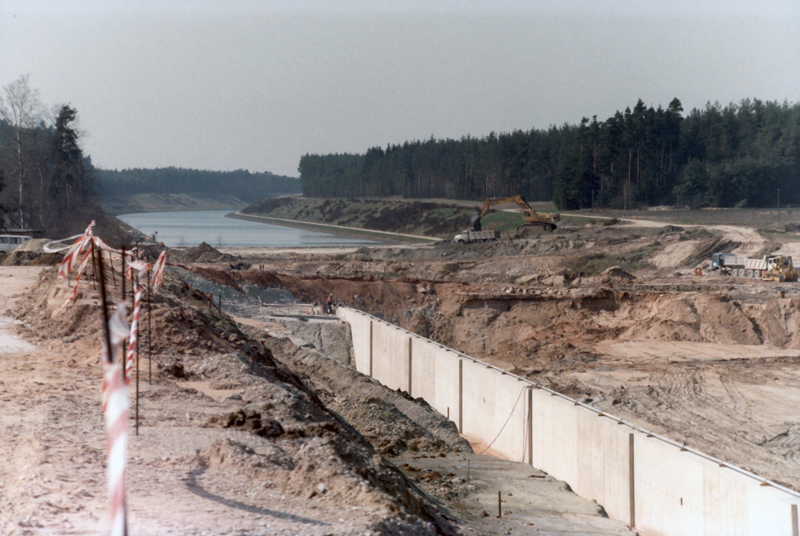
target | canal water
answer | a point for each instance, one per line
(191, 228)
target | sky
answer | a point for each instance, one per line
(244, 84)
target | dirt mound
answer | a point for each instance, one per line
(669, 229)
(615, 272)
(392, 421)
(203, 253)
(31, 253)
(295, 445)
(33, 245)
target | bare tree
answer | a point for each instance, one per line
(21, 109)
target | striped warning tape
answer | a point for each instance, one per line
(141, 268)
(115, 409)
(158, 271)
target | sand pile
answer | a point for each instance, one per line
(294, 447)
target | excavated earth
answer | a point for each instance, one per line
(616, 316)
(255, 423)
(237, 425)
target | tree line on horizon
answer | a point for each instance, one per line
(737, 155)
(49, 186)
(171, 180)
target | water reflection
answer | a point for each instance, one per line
(191, 228)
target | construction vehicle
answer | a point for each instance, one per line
(467, 236)
(530, 217)
(9, 243)
(778, 268)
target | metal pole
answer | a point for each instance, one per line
(149, 333)
(122, 276)
(104, 300)
(137, 363)
(111, 264)
(779, 207)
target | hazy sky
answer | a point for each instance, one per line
(237, 84)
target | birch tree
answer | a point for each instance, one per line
(21, 108)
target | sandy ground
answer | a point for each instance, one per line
(470, 484)
(708, 360)
(188, 476)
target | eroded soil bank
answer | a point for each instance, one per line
(616, 316)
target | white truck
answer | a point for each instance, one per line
(467, 236)
(9, 243)
(768, 268)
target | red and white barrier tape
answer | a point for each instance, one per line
(74, 251)
(81, 268)
(115, 409)
(158, 271)
(88, 241)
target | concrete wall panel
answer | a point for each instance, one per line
(604, 463)
(725, 501)
(670, 491)
(510, 436)
(391, 343)
(543, 425)
(446, 375)
(478, 403)
(565, 440)
(359, 329)
(423, 374)
(769, 511)
(677, 493)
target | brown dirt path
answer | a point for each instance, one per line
(185, 475)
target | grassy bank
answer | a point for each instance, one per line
(416, 217)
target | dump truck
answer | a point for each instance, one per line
(777, 268)
(467, 236)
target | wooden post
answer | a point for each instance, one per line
(499, 504)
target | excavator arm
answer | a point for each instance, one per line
(489, 203)
(529, 216)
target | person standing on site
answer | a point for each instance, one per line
(329, 304)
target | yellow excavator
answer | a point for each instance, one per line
(530, 217)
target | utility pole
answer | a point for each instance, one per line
(779, 207)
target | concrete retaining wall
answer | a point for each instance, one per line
(647, 481)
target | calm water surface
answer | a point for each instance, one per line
(189, 229)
